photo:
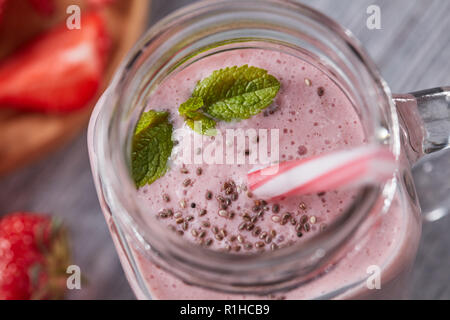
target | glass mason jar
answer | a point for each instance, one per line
(411, 125)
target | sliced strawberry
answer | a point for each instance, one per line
(100, 3)
(34, 256)
(2, 8)
(59, 71)
(44, 7)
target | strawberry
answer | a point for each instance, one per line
(59, 71)
(44, 7)
(100, 3)
(2, 8)
(34, 256)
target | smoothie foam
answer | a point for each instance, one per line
(313, 116)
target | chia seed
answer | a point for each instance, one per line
(184, 170)
(285, 218)
(177, 215)
(256, 208)
(206, 224)
(302, 150)
(320, 91)
(276, 208)
(259, 244)
(276, 219)
(219, 237)
(229, 187)
(303, 219)
(199, 171)
(223, 206)
(223, 213)
(187, 182)
(256, 231)
(163, 214)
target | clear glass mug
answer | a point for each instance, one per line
(411, 125)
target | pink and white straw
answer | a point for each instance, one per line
(367, 164)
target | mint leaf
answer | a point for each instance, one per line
(195, 119)
(190, 107)
(151, 147)
(236, 93)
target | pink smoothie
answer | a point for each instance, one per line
(209, 204)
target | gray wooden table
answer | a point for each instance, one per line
(412, 51)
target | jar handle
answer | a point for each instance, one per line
(425, 128)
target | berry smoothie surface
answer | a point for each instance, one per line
(210, 204)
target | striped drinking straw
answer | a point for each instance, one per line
(366, 164)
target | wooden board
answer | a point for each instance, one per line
(27, 136)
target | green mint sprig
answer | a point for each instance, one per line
(194, 117)
(233, 93)
(151, 147)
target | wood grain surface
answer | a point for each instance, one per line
(412, 51)
(27, 136)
